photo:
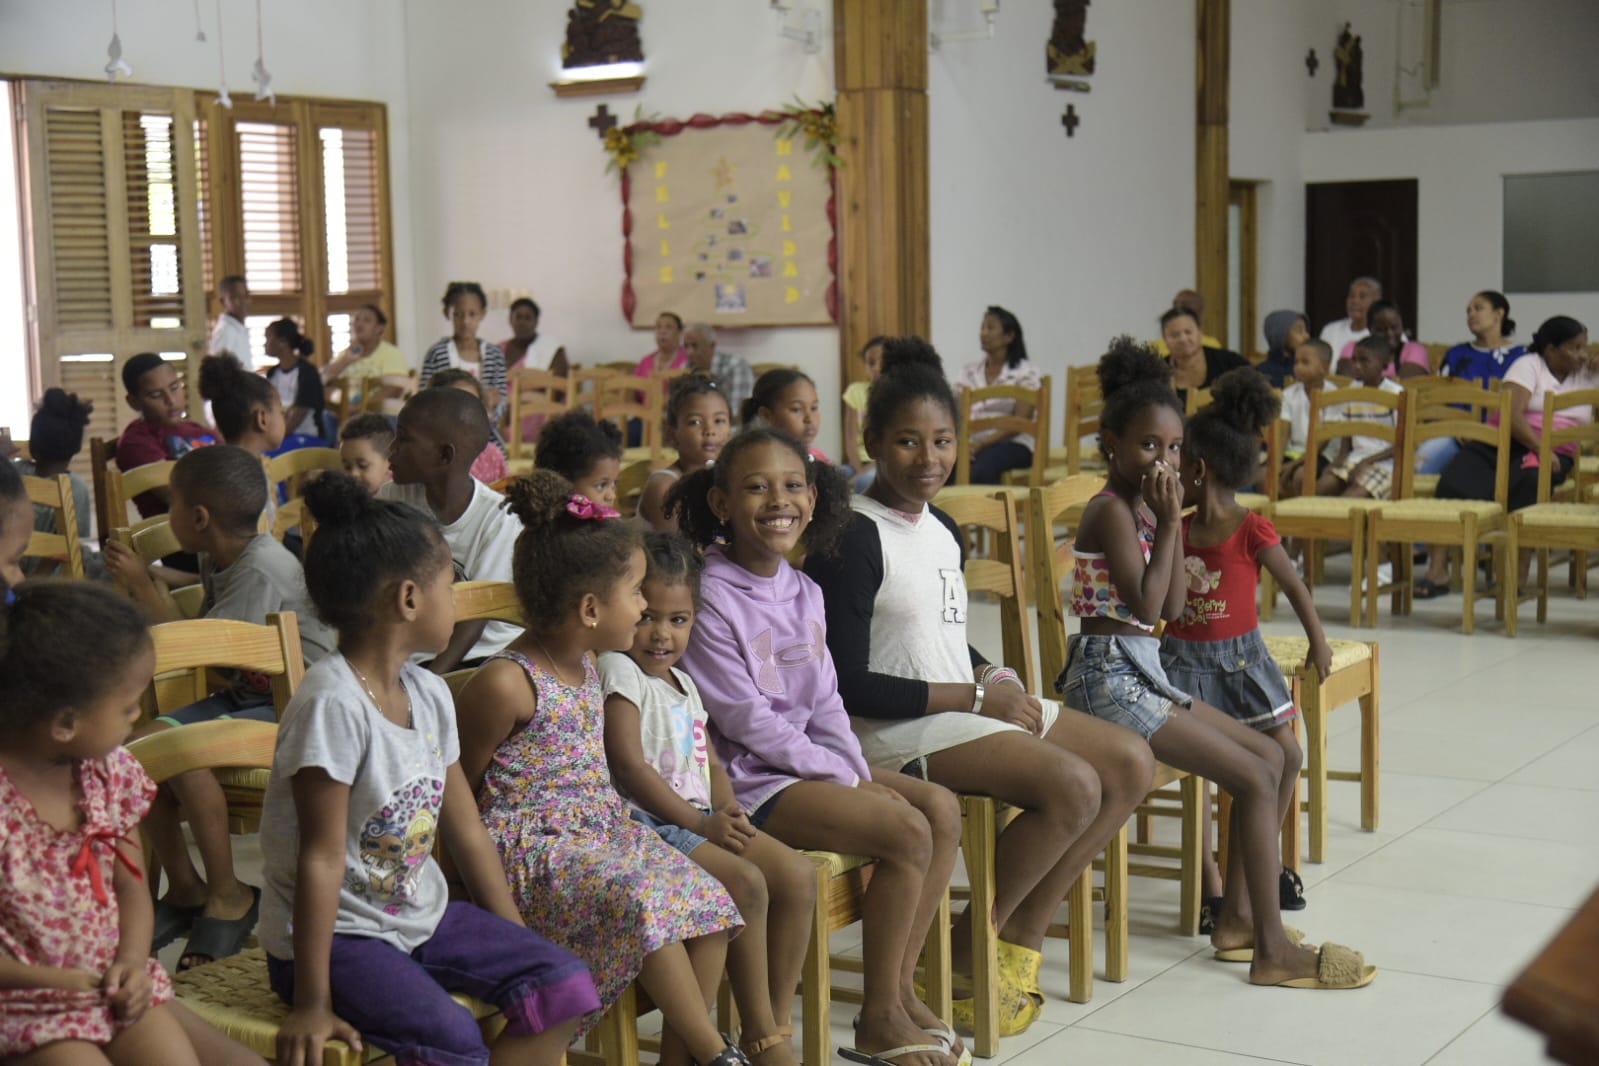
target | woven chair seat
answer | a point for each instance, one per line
(232, 994)
(1559, 515)
(246, 780)
(1289, 653)
(1441, 510)
(1323, 506)
(838, 865)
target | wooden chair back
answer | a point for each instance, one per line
(1581, 436)
(185, 651)
(1276, 438)
(493, 601)
(1083, 405)
(387, 393)
(102, 456)
(1049, 558)
(1197, 398)
(292, 467)
(584, 385)
(618, 399)
(1001, 575)
(151, 540)
(292, 514)
(1459, 409)
(1435, 356)
(1325, 426)
(534, 392)
(63, 546)
(762, 368)
(122, 486)
(1036, 425)
(618, 366)
(630, 486)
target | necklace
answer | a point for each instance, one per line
(410, 719)
(555, 667)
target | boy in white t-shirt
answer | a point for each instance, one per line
(1364, 466)
(440, 433)
(1312, 363)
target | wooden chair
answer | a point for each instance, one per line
(294, 514)
(63, 546)
(630, 486)
(292, 468)
(152, 540)
(1049, 561)
(620, 399)
(535, 394)
(102, 457)
(121, 486)
(233, 993)
(493, 601)
(761, 368)
(1356, 675)
(1036, 425)
(1435, 356)
(1314, 519)
(1548, 524)
(386, 393)
(1456, 411)
(1083, 406)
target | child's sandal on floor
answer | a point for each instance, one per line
(751, 1048)
(728, 1056)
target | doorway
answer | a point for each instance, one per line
(1355, 229)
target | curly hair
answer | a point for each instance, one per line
(56, 433)
(687, 386)
(572, 443)
(561, 557)
(235, 393)
(363, 546)
(1226, 434)
(1132, 378)
(672, 559)
(911, 371)
(689, 500)
(45, 626)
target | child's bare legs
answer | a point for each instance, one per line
(535, 1049)
(914, 844)
(1124, 767)
(1207, 742)
(681, 980)
(212, 1046)
(759, 978)
(1293, 760)
(199, 796)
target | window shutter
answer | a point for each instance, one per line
(353, 210)
(269, 188)
(150, 172)
(77, 204)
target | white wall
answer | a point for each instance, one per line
(510, 182)
(352, 49)
(1461, 206)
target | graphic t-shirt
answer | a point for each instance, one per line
(145, 442)
(392, 888)
(672, 724)
(1221, 581)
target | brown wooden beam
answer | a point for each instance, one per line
(1214, 38)
(880, 75)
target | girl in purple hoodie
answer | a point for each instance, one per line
(759, 656)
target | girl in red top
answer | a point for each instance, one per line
(1214, 648)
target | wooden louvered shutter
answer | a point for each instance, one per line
(269, 193)
(113, 244)
(354, 177)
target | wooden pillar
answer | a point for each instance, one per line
(1214, 37)
(880, 74)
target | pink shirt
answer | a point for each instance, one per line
(1413, 352)
(648, 365)
(1530, 372)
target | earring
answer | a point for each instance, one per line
(591, 623)
(1198, 481)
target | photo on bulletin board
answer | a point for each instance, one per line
(727, 221)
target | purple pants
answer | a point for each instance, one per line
(401, 1002)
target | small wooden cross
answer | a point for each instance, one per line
(1070, 120)
(1311, 62)
(602, 120)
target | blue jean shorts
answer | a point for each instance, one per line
(1120, 680)
(684, 840)
(1237, 676)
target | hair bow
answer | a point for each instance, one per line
(580, 506)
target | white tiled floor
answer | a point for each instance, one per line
(1488, 841)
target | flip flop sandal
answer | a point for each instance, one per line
(1337, 967)
(946, 1036)
(171, 922)
(218, 938)
(728, 1056)
(886, 1058)
(1209, 908)
(1290, 891)
(1296, 937)
(1429, 590)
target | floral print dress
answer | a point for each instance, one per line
(584, 874)
(58, 906)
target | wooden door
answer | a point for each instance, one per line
(1355, 229)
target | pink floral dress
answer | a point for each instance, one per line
(585, 875)
(58, 904)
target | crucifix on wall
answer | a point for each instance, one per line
(1071, 120)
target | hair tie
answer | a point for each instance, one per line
(580, 506)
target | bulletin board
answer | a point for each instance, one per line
(726, 222)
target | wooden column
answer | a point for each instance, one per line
(880, 64)
(1214, 37)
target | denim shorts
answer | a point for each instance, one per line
(1237, 676)
(1120, 680)
(684, 840)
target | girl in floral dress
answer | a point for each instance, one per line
(77, 983)
(585, 874)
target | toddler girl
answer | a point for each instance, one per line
(698, 422)
(364, 444)
(655, 743)
(77, 982)
(855, 411)
(464, 305)
(583, 873)
(1128, 575)
(785, 399)
(585, 452)
(361, 937)
(1214, 648)
(298, 383)
(759, 655)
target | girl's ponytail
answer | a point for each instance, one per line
(570, 546)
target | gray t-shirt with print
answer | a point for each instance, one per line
(392, 888)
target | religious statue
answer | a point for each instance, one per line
(1067, 51)
(600, 32)
(1348, 94)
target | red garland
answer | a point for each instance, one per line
(701, 121)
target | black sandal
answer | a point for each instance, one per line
(729, 1056)
(218, 938)
(1290, 891)
(1428, 590)
(1209, 911)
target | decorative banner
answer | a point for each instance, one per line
(726, 221)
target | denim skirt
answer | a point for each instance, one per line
(1236, 676)
(1119, 679)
